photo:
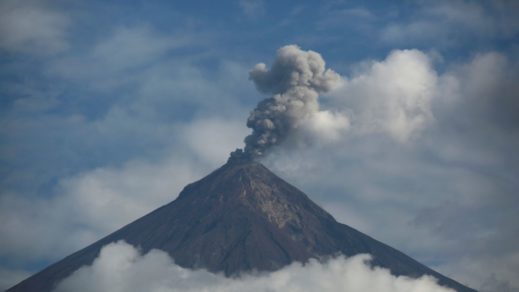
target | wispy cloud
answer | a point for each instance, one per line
(34, 27)
(253, 8)
(93, 203)
(445, 23)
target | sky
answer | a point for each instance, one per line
(109, 108)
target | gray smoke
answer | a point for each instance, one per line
(295, 79)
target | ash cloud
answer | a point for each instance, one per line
(391, 97)
(295, 80)
(121, 267)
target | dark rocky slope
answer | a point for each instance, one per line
(239, 218)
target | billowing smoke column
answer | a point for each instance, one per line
(295, 80)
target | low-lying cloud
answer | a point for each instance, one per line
(121, 267)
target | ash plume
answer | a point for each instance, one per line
(295, 80)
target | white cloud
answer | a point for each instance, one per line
(213, 138)
(478, 80)
(90, 205)
(392, 96)
(32, 27)
(325, 125)
(120, 267)
(480, 97)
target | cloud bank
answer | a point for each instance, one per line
(120, 267)
(391, 96)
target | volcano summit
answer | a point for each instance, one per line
(240, 218)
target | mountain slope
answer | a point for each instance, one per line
(239, 218)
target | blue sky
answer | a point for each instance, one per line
(108, 108)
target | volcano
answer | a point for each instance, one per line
(240, 218)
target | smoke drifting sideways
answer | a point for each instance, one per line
(121, 267)
(295, 80)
